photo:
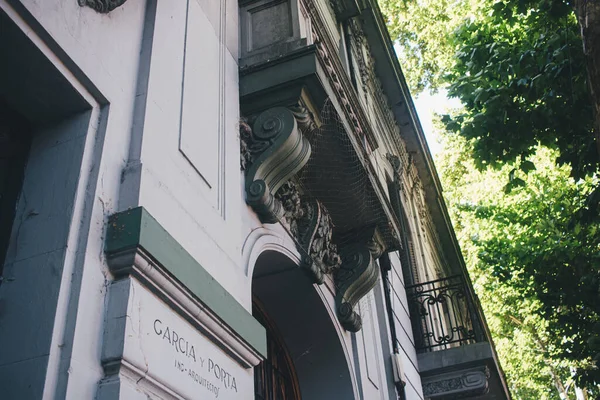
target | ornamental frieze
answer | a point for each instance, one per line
(459, 384)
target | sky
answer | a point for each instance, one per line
(427, 106)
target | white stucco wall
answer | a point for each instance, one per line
(98, 55)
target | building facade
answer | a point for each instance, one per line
(211, 199)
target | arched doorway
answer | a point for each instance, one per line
(303, 332)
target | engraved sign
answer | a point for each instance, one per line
(177, 355)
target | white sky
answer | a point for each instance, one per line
(427, 106)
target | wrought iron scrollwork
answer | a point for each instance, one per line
(444, 314)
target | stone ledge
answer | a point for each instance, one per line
(478, 353)
(136, 244)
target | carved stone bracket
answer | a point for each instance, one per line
(102, 6)
(459, 384)
(273, 151)
(311, 225)
(291, 200)
(357, 275)
(315, 232)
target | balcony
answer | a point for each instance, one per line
(455, 355)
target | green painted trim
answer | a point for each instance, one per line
(137, 228)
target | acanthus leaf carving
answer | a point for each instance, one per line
(315, 233)
(306, 121)
(293, 211)
(311, 225)
(245, 140)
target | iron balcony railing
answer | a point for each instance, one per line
(443, 314)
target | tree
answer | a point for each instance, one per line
(526, 262)
(423, 32)
(522, 79)
(530, 58)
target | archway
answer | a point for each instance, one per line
(304, 324)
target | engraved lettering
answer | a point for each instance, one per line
(183, 346)
(175, 340)
(192, 353)
(159, 330)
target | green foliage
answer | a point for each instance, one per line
(535, 270)
(516, 65)
(522, 80)
(423, 31)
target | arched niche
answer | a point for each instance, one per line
(307, 326)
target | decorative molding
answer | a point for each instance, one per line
(356, 276)
(137, 245)
(457, 384)
(276, 151)
(139, 264)
(102, 6)
(360, 45)
(267, 238)
(340, 86)
(372, 85)
(305, 118)
(327, 53)
(346, 9)
(397, 168)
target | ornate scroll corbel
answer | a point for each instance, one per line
(356, 276)
(102, 6)
(277, 151)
